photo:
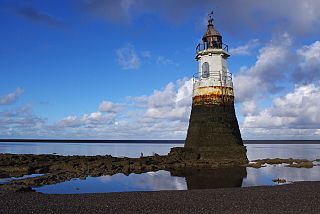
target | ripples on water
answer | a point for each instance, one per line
(174, 180)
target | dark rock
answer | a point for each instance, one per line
(279, 180)
(297, 163)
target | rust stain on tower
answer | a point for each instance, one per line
(213, 131)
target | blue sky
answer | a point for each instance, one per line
(98, 69)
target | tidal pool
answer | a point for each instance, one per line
(184, 180)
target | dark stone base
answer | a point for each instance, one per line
(214, 133)
(211, 157)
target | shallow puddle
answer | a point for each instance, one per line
(184, 180)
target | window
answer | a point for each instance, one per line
(205, 70)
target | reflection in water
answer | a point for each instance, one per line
(151, 181)
(212, 178)
(264, 175)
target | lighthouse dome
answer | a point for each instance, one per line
(212, 38)
(211, 31)
(211, 41)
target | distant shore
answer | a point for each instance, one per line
(301, 197)
(93, 141)
(151, 141)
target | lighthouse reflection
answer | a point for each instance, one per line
(212, 178)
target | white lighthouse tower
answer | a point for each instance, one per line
(213, 82)
(213, 130)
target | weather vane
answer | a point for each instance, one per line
(210, 15)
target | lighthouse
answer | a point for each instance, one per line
(213, 131)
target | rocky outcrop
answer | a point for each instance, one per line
(290, 162)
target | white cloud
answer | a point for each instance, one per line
(308, 69)
(106, 114)
(245, 86)
(70, 121)
(94, 119)
(107, 106)
(310, 52)
(97, 118)
(127, 57)
(268, 72)
(296, 113)
(161, 60)
(158, 98)
(249, 107)
(245, 49)
(11, 97)
(21, 122)
(172, 103)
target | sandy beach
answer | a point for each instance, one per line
(302, 197)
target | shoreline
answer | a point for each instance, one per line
(299, 197)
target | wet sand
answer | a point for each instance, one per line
(301, 197)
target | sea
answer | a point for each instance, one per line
(170, 180)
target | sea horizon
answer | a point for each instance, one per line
(29, 140)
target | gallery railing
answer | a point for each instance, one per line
(213, 45)
(216, 77)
